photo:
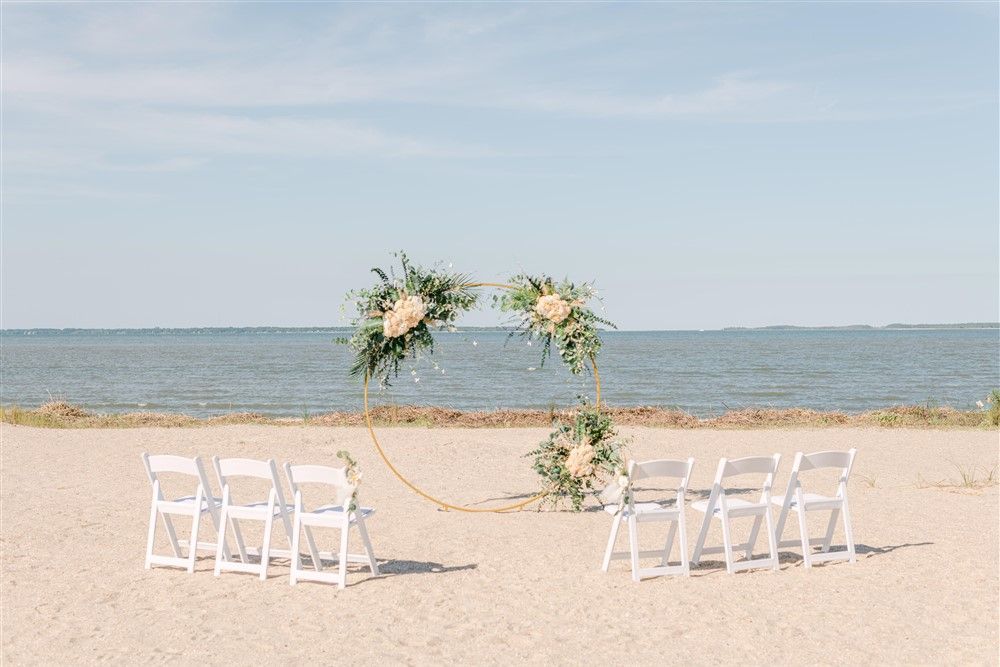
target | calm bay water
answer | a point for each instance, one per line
(298, 372)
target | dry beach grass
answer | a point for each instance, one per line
(496, 589)
(59, 414)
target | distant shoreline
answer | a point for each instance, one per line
(326, 330)
(59, 414)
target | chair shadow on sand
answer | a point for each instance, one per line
(692, 494)
(392, 567)
(707, 567)
(388, 567)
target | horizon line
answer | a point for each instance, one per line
(893, 325)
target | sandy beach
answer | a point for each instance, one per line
(488, 588)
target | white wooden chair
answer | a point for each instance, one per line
(192, 506)
(336, 515)
(633, 513)
(262, 510)
(796, 500)
(718, 506)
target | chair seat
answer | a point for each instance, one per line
(186, 503)
(648, 510)
(255, 509)
(736, 507)
(262, 505)
(336, 511)
(812, 501)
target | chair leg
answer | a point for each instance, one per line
(828, 539)
(241, 545)
(152, 532)
(313, 551)
(772, 542)
(669, 545)
(296, 558)
(849, 533)
(265, 548)
(214, 512)
(804, 536)
(172, 535)
(683, 544)
(727, 545)
(702, 535)
(372, 563)
(616, 521)
(752, 540)
(193, 544)
(219, 549)
(345, 532)
(633, 544)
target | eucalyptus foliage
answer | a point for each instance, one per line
(445, 296)
(589, 427)
(576, 337)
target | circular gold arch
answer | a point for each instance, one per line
(437, 501)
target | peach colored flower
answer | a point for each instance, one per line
(406, 313)
(553, 308)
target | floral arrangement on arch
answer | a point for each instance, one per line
(395, 316)
(580, 458)
(353, 473)
(556, 313)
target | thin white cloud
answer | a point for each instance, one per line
(181, 85)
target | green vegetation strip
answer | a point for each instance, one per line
(64, 415)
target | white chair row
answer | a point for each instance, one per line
(226, 511)
(720, 506)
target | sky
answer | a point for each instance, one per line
(705, 165)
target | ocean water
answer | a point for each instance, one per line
(300, 372)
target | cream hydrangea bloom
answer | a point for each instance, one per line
(553, 308)
(405, 314)
(579, 462)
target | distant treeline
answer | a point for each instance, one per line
(866, 327)
(168, 331)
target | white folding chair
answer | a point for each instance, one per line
(262, 510)
(337, 515)
(797, 501)
(633, 513)
(193, 506)
(718, 506)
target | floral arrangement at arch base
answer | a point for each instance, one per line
(579, 458)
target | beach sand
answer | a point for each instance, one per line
(494, 588)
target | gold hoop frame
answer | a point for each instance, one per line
(437, 501)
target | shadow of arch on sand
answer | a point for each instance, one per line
(868, 550)
(397, 567)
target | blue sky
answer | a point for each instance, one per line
(706, 164)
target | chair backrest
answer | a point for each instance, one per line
(160, 463)
(761, 465)
(313, 474)
(674, 468)
(765, 465)
(237, 467)
(818, 460)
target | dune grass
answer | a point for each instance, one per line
(968, 478)
(59, 414)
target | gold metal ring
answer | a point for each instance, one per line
(445, 505)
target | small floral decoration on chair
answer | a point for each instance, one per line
(353, 472)
(578, 458)
(556, 312)
(395, 316)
